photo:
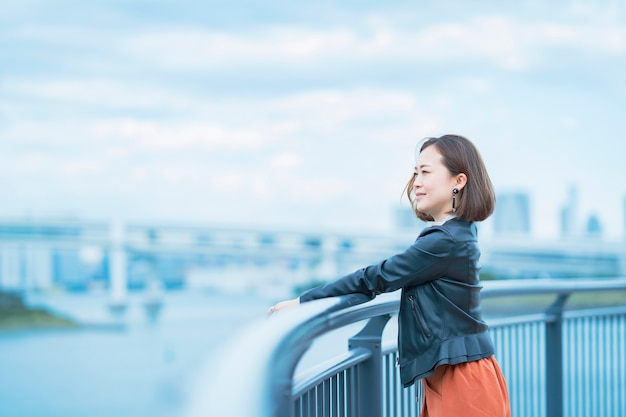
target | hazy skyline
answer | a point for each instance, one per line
(305, 115)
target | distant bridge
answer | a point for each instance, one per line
(74, 254)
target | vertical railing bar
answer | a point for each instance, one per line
(611, 359)
(529, 354)
(325, 395)
(567, 367)
(538, 382)
(588, 362)
(521, 341)
(342, 394)
(622, 359)
(608, 373)
(306, 412)
(351, 393)
(520, 370)
(398, 392)
(614, 373)
(618, 376)
(514, 361)
(536, 370)
(597, 373)
(336, 395)
(541, 333)
(321, 403)
(296, 407)
(576, 365)
(419, 393)
(615, 369)
(579, 358)
(615, 360)
(332, 396)
(405, 400)
(531, 368)
(384, 385)
(529, 375)
(347, 398)
(313, 402)
(393, 386)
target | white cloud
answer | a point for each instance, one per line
(162, 136)
(329, 108)
(183, 48)
(82, 166)
(261, 187)
(228, 181)
(179, 174)
(286, 160)
(507, 42)
(317, 190)
(99, 93)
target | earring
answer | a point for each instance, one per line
(454, 193)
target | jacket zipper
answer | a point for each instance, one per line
(418, 315)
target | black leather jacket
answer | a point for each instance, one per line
(440, 320)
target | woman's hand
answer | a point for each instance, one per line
(282, 305)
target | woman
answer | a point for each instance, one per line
(442, 339)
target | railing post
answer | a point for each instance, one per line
(554, 357)
(367, 395)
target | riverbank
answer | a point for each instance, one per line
(15, 315)
(539, 303)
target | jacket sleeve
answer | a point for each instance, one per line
(421, 262)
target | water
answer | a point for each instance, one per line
(121, 366)
(134, 366)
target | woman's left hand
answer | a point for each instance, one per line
(283, 305)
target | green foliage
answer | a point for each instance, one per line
(487, 276)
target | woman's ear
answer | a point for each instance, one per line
(461, 180)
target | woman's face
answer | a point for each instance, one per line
(433, 185)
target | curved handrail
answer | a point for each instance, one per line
(261, 361)
(267, 352)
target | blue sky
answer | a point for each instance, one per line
(304, 114)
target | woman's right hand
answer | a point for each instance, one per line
(283, 305)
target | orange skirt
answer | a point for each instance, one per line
(470, 389)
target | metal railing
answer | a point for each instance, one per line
(557, 363)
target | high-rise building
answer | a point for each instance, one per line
(593, 228)
(569, 213)
(512, 214)
(404, 218)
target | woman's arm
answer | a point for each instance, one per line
(421, 262)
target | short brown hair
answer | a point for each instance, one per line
(476, 201)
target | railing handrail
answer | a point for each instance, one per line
(265, 355)
(503, 288)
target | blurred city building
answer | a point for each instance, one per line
(404, 218)
(593, 227)
(512, 214)
(569, 213)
